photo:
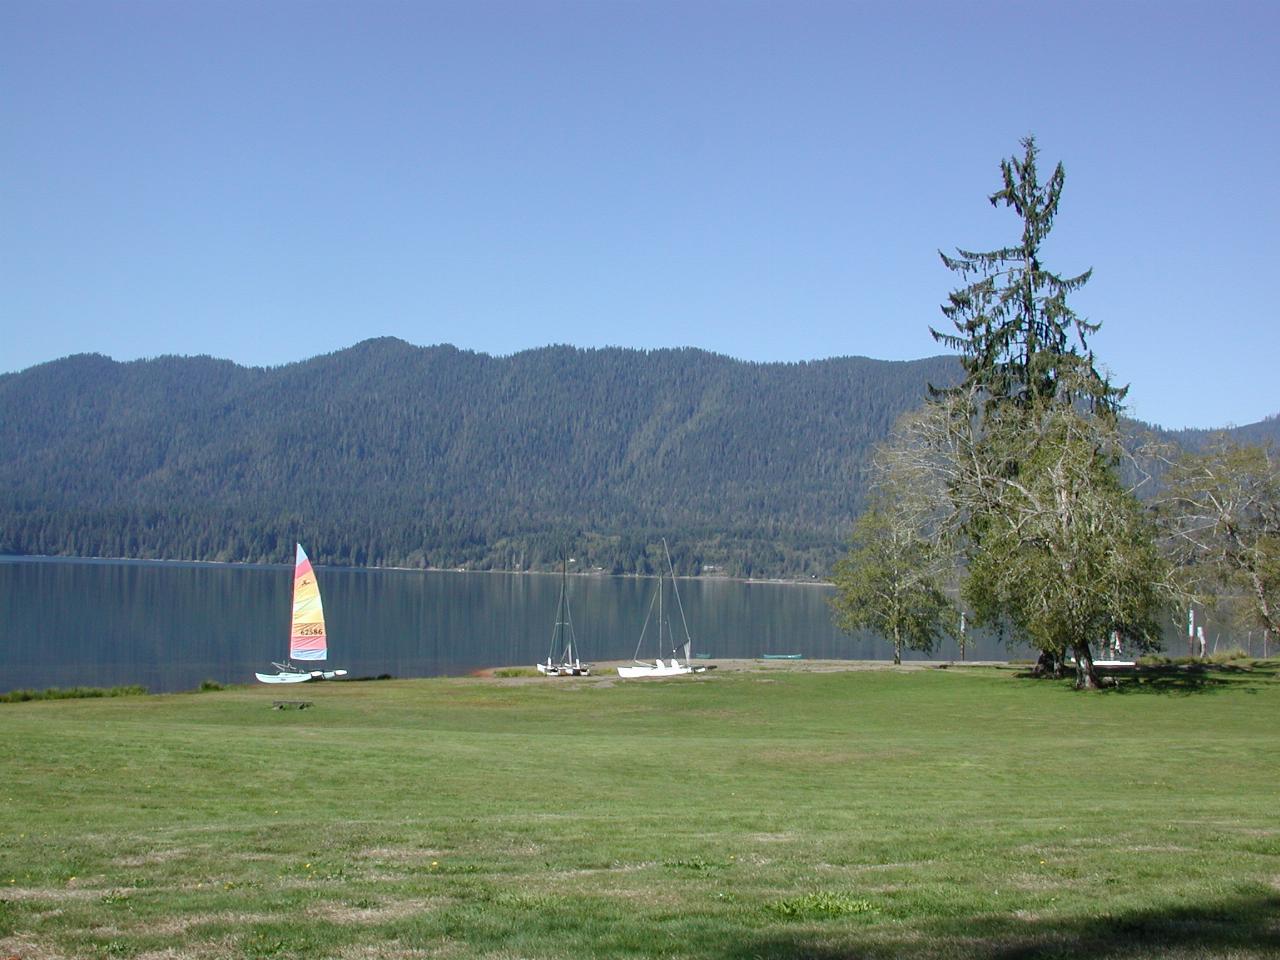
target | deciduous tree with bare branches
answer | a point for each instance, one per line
(890, 581)
(1221, 516)
(1057, 549)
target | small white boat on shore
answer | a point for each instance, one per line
(658, 669)
(674, 666)
(563, 659)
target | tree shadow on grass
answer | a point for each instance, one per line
(1172, 678)
(1242, 927)
(1195, 677)
(1169, 680)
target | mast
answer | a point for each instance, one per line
(566, 634)
(293, 605)
(688, 640)
(660, 614)
(558, 630)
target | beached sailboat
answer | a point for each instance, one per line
(673, 666)
(564, 655)
(307, 638)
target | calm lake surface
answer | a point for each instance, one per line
(169, 626)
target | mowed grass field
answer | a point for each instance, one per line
(776, 813)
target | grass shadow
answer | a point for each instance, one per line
(1183, 678)
(1174, 678)
(1241, 927)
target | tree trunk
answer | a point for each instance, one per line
(1086, 676)
(1264, 607)
(1049, 664)
(897, 647)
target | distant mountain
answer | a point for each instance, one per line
(1264, 431)
(386, 454)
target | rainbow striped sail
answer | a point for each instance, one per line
(306, 636)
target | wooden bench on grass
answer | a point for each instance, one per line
(286, 704)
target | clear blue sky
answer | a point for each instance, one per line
(269, 180)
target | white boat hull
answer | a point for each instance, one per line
(300, 677)
(564, 669)
(658, 669)
(1071, 662)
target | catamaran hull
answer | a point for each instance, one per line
(283, 677)
(659, 669)
(564, 669)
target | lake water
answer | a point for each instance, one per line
(169, 626)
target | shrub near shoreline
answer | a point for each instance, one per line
(72, 693)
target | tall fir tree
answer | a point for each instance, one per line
(1027, 448)
(1014, 330)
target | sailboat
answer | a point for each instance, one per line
(673, 667)
(563, 656)
(307, 640)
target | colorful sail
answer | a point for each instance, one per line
(306, 637)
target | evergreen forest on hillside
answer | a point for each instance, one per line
(386, 454)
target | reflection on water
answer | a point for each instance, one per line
(169, 626)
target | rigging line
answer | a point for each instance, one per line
(568, 622)
(675, 589)
(636, 656)
(556, 632)
(562, 614)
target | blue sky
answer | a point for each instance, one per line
(266, 181)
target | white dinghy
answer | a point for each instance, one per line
(673, 666)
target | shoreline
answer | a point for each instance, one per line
(602, 671)
(607, 669)
(250, 565)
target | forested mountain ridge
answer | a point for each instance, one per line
(390, 454)
(1263, 432)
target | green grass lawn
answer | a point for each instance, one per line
(779, 813)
